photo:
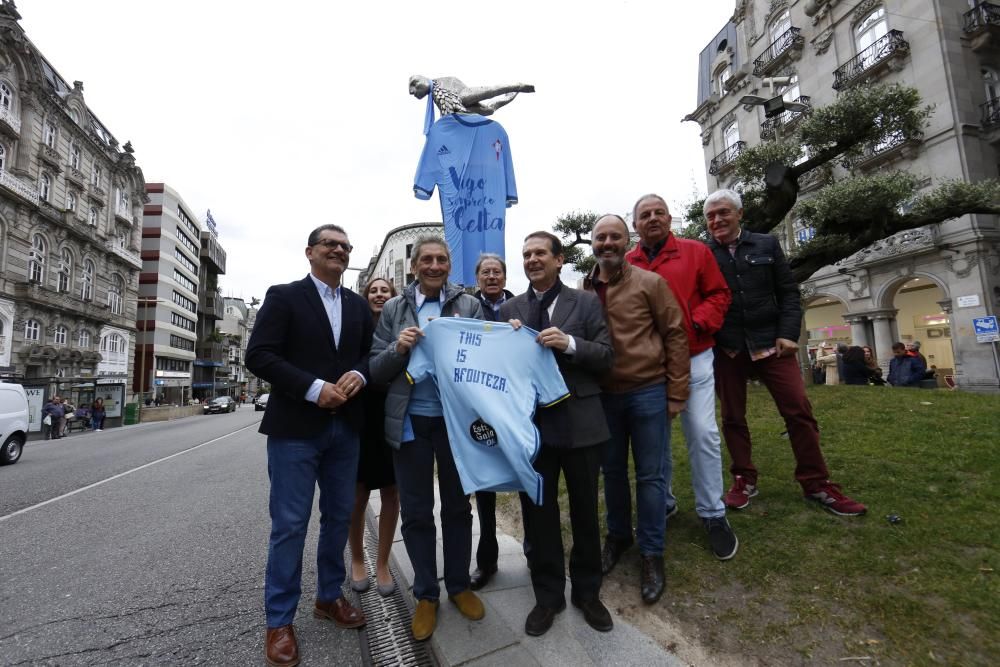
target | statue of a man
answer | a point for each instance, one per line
(450, 95)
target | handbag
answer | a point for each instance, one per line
(48, 420)
(70, 415)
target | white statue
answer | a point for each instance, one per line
(452, 96)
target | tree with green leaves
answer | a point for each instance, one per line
(574, 228)
(852, 212)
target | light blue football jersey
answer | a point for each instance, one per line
(490, 378)
(468, 158)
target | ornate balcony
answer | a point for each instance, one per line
(131, 258)
(50, 156)
(10, 124)
(984, 16)
(991, 120)
(97, 194)
(780, 51)
(891, 147)
(785, 121)
(887, 53)
(724, 161)
(75, 175)
(14, 184)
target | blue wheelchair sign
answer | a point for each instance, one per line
(986, 329)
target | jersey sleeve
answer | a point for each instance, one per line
(421, 359)
(427, 169)
(545, 376)
(508, 170)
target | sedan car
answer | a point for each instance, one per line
(261, 402)
(220, 404)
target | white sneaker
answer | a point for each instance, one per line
(99, 430)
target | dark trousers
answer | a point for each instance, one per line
(414, 466)
(783, 379)
(543, 528)
(488, 551)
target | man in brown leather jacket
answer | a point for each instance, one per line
(647, 386)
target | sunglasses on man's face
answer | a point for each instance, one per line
(331, 244)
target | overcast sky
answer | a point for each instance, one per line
(280, 116)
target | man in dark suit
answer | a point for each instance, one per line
(311, 343)
(573, 435)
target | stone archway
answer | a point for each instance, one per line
(824, 316)
(923, 314)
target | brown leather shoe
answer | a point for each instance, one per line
(280, 647)
(340, 612)
(424, 619)
(469, 605)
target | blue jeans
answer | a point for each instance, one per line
(701, 433)
(97, 421)
(414, 466)
(295, 466)
(641, 416)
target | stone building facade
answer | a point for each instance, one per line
(71, 200)
(392, 260)
(925, 284)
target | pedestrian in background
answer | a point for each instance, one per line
(905, 370)
(855, 370)
(97, 414)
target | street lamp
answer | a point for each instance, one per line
(774, 106)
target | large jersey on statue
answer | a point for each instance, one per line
(490, 378)
(468, 158)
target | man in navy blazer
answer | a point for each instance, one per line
(311, 342)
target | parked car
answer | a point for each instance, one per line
(261, 402)
(13, 422)
(220, 404)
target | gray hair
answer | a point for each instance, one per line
(495, 257)
(427, 239)
(724, 195)
(315, 234)
(651, 195)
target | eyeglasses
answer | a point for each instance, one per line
(331, 244)
(490, 272)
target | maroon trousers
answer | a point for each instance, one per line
(782, 378)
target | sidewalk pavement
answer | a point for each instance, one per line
(499, 638)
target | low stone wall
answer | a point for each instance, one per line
(168, 412)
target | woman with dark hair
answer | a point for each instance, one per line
(374, 471)
(874, 370)
(855, 370)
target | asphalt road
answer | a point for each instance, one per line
(157, 554)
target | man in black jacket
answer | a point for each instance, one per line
(759, 338)
(311, 343)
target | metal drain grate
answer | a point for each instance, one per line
(386, 639)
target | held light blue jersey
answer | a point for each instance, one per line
(468, 158)
(490, 378)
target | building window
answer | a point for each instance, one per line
(185, 282)
(93, 216)
(123, 240)
(3, 157)
(65, 270)
(871, 29)
(32, 330)
(181, 343)
(722, 75)
(75, 156)
(74, 116)
(44, 186)
(71, 201)
(114, 349)
(36, 259)
(6, 96)
(121, 197)
(83, 341)
(781, 24)
(991, 84)
(115, 294)
(87, 281)
(95, 175)
(59, 337)
(731, 135)
(49, 135)
(791, 92)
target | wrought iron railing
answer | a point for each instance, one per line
(991, 112)
(769, 128)
(983, 15)
(788, 39)
(723, 159)
(886, 47)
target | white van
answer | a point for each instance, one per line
(13, 422)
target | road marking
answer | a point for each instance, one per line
(122, 474)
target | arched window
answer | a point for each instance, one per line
(83, 339)
(115, 292)
(93, 217)
(871, 29)
(65, 270)
(780, 25)
(70, 201)
(32, 330)
(44, 186)
(36, 259)
(60, 335)
(114, 348)
(6, 96)
(87, 280)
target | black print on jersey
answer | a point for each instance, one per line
(483, 433)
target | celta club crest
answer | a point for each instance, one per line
(483, 433)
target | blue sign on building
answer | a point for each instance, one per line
(986, 328)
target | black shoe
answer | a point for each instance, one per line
(652, 580)
(540, 619)
(481, 576)
(612, 551)
(721, 537)
(595, 613)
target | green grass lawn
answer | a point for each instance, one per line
(811, 587)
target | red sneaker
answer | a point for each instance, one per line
(830, 497)
(740, 494)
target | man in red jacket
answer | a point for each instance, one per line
(698, 285)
